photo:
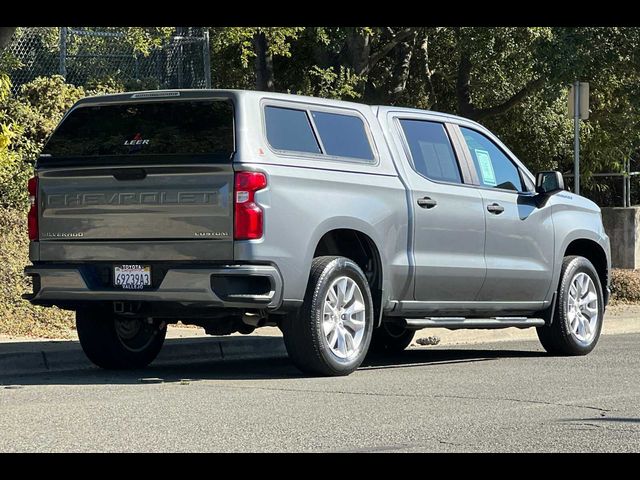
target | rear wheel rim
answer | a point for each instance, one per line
(134, 334)
(344, 316)
(582, 309)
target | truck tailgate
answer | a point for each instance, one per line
(174, 202)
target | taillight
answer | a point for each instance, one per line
(32, 218)
(248, 214)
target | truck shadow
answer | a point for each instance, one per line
(269, 365)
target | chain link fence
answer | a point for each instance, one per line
(87, 56)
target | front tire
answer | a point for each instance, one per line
(116, 343)
(331, 333)
(579, 312)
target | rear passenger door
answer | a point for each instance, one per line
(449, 225)
(520, 241)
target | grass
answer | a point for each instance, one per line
(17, 316)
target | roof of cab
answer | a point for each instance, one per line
(210, 93)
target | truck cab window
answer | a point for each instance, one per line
(431, 150)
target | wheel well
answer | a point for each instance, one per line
(361, 249)
(594, 253)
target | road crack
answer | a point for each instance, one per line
(521, 400)
(410, 395)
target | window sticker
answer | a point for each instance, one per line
(486, 167)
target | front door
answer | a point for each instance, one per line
(519, 240)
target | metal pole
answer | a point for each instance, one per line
(624, 185)
(628, 182)
(207, 60)
(576, 138)
(180, 81)
(62, 68)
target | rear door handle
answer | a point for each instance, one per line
(427, 202)
(495, 208)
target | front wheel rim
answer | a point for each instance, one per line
(344, 316)
(582, 308)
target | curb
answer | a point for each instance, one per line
(69, 356)
(41, 357)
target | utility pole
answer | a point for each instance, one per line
(576, 138)
(62, 67)
(578, 110)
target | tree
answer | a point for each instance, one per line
(5, 36)
(512, 79)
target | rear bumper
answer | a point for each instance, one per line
(228, 286)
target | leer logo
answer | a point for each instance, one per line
(137, 140)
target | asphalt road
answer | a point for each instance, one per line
(506, 396)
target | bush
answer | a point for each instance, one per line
(14, 174)
(12, 171)
(28, 119)
(37, 110)
(625, 285)
(17, 316)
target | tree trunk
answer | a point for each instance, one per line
(404, 52)
(466, 108)
(359, 49)
(463, 87)
(263, 63)
(5, 36)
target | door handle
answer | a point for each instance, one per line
(129, 173)
(427, 202)
(495, 208)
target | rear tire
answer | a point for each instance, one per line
(577, 320)
(331, 333)
(116, 343)
(390, 338)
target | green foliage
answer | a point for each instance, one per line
(326, 83)
(145, 39)
(38, 108)
(14, 174)
(11, 171)
(241, 40)
(27, 120)
(517, 83)
(545, 140)
(105, 84)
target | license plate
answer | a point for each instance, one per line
(132, 277)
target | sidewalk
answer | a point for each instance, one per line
(19, 356)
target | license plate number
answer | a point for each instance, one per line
(132, 277)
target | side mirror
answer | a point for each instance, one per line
(549, 182)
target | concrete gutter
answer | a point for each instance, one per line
(24, 356)
(39, 357)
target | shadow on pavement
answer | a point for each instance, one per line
(606, 419)
(274, 366)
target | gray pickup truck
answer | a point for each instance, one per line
(349, 226)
